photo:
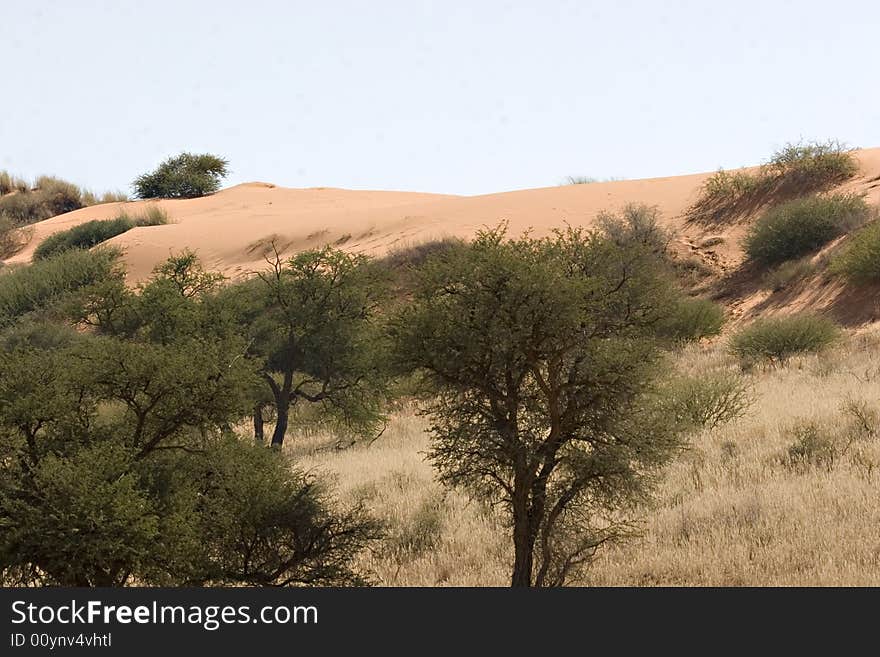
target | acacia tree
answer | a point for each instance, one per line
(187, 175)
(118, 462)
(313, 321)
(540, 357)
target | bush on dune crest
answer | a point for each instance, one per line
(187, 175)
(795, 170)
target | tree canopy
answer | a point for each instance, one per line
(540, 355)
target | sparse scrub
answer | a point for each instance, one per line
(419, 533)
(711, 400)
(814, 445)
(798, 227)
(579, 180)
(859, 260)
(92, 233)
(775, 340)
(811, 166)
(795, 170)
(821, 444)
(788, 273)
(415, 255)
(187, 175)
(636, 224)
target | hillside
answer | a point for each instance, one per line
(232, 229)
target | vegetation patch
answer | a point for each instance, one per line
(789, 273)
(692, 319)
(775, 340)
(187, 175)
(801, 226)
(92, 233)
(711, 400)
(30, 288)
(795, 170)
(22, 204)
(859, 261)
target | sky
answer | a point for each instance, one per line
(459, 97)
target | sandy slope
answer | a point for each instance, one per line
(230, 229)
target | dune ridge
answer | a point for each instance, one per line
(231, 229)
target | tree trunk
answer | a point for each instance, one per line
(259, 433)
(283, 413)
(282, 405)
(523, 543)
(281, 425)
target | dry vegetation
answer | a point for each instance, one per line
(784, 496)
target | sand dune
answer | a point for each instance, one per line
(230, 229)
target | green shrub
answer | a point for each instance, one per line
(91, 233)
(798, 227)
(30, 288)
(777, 339)
(860, 259)
(185, 176)
(711, 400)
(692, 319)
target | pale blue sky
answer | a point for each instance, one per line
(448, 96)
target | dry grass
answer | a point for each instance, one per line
(436, 537)
(730, 511)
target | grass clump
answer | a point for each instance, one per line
(794, 170)
(10, 183)
(91, 233)
(30, 288)
(49, 197)
(798, 227)
(579, 180)
(859, 261)
(775, 340)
